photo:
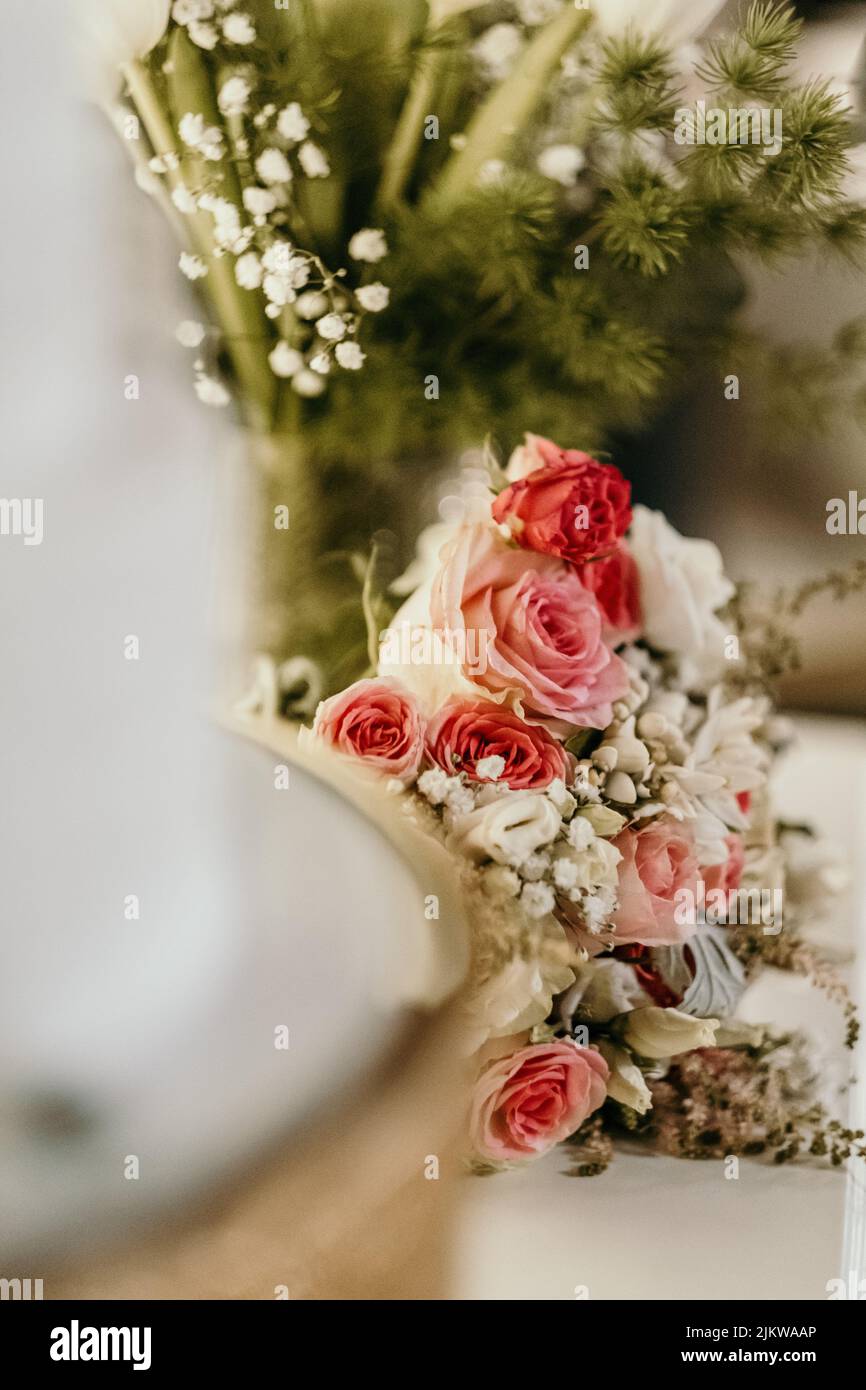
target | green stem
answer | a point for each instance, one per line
(399, 160)
(239, 316)
(508, 108)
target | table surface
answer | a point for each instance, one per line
(654, 1227)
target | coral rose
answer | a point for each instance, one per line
(466, 732)
(570, 506)
(614, 581)
(538, 627)
(726, 876)
(375, 722)
(526, 1103)
(658, 863)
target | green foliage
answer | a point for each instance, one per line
(751, 61)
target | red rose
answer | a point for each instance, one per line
(465, 731)
(613, 579)
(726, 876)
(571, 506)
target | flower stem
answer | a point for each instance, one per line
(509, 106)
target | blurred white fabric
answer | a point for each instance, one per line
(259, 908)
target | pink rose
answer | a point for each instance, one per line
(377, 722)
(526, 1103)
(571, 506)
(658, 862)
(726, 876)
(539, 628)
(466, 731)
(614, 581)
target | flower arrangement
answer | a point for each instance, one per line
(404, 218)
(553, 701)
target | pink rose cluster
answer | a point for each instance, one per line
(549, 582)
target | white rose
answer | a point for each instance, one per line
(507, 830)
(655, 1032)
(516, 997)
(625, 1081)
(682, 584)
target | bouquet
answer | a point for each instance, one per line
(570, 699)
(401, 219)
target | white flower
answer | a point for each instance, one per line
(292, 123)
(259, 201)
(603, 988)
(314, 161)
(206, 139)
(311, 305)
(210, 391)
(239, 28)
(273, 167)
(190, 334)
(562, 163)
(677, 20)
(111, 33)
(490, 768)
(497, 50)
(332, 328)
(285, 361)
(321, 363)
(724, 760)
(368, 245)
(278, 290)
(517, 996)
(625, 1081)
(234, 96)
(183, 199)
(537, 899)
(591, 866)
(374, 298)
(655, 1032)
(308, 384)
(682, 584)
(507, 830)
(203, 35)
(248, 271)
(350, 356)
(193, 267)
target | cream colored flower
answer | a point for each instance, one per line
(603, 989)
(655, 1032)
(682, 585)
(507, 830)
(625, 1081)
(517, 997)
(110, 34)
